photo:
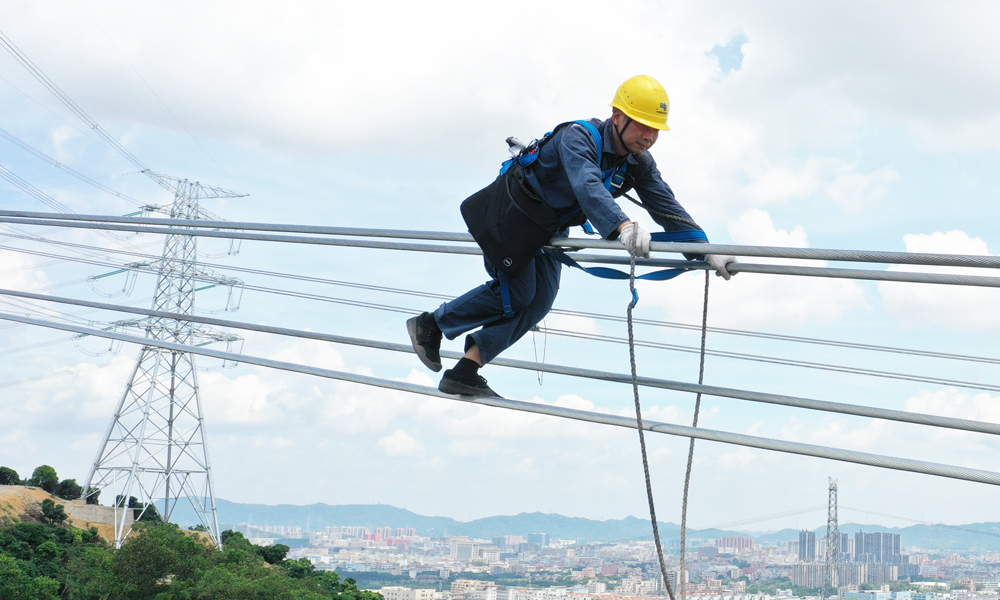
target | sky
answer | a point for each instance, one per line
(865, 125)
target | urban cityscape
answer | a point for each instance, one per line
(871, 566)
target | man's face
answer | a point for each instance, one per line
(637, 137)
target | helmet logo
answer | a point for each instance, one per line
(507, 262)
(665, 107)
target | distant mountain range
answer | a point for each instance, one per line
(976, 536)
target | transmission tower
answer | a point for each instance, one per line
(832, 576)
(155, 447)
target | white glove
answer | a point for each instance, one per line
(719, 262)
(633, 234)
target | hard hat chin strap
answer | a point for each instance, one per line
(628, 121)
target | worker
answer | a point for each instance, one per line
(569, 175)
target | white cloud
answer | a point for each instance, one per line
(952, 403)
(773, 301)
(965, 307)
(400, 443)
(738, 459)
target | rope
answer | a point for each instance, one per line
(638, 420)
(694, 423)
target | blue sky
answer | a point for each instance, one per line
(841, 126)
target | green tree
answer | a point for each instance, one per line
(155, 556)
(298, 569)
(45, 477)
(92, 496)
(9, 476)
(15, 583)
(53, 513)
(69, 489)
(88, 574)
(273, 555)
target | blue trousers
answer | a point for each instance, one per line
(532, 293)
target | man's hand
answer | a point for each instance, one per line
(719, 262)
(636, 240)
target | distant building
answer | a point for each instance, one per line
(877, 548)
(734, 544)
(401, 593)
(542, 539)
(463, 549)
(807, 546)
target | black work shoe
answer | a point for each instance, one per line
(426, 339)
(468, 385)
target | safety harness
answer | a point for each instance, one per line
(613, 179)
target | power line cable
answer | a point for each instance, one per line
(155, 95)
(579, 335)
(563, 243)
(782, 361)
(762, 397)
(575, 313)
(59, 165)
(44, 198)
(871, 512)
(838, 454)
(68, 102)
(50, 111)
(113, 223)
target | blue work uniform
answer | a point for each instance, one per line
(567, 176)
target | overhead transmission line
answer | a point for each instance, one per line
(594, 337)
(871, 512)
(49, 201)
(68, 102)
(862, 458)
(773, 360)
(562, 244)
(155, 95)
(571, 313)
(61, 166)
(762, 397)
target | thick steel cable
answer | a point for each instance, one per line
(697, 249)
(738, 439)
(913, 258)
(638, 416)
(574, 313)
(722, 392)
(694, 423)
(594, 337)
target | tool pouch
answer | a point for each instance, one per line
(509, 221)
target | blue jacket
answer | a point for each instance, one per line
(567, 173)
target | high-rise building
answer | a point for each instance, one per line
(542, 539)
(807, 546)
(877, 548)
(735, 543)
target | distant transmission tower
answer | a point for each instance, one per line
(155, 448)
(832, 575)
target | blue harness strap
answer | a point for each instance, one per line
(685, 235)
(612, 179)
(508, 308)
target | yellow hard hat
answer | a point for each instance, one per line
(643, 99)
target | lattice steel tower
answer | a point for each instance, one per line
(832, 576)
(155, 447)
